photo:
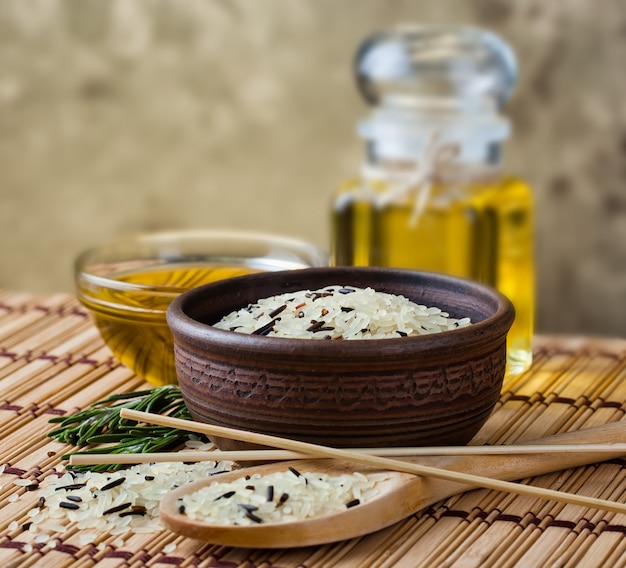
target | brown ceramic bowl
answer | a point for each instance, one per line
(434, 389)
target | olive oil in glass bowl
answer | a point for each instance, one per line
(127, 284)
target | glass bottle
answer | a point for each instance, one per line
(432, 194)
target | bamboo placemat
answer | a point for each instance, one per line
(52, 361)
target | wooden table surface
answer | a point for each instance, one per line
(52, 361)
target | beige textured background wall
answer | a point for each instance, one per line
(129, 115)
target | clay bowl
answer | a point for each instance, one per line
(436, 389)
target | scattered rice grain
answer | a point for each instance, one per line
(116, 503)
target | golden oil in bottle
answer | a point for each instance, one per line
(131, 318)
(484, 234)
(432, 194)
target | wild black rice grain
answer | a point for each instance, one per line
(275, 312)
(254, 518)
(113, 484)
(132, 513)
(265, 329)
(71, 487)
(117, 508)
(315, 325)
(226, 495)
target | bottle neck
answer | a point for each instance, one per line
(445, 163)
(439, 139)
(396, 152)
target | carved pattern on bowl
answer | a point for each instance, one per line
(376, 391)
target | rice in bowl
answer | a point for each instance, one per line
(339, 312)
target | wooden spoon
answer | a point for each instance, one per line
(399, 496)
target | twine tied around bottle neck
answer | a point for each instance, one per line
(438, 161)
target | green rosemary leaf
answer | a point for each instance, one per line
(108, 438)
(101, 423)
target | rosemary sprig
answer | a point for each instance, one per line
(101, 423)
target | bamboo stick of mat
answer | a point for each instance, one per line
(275, 455)
(316, 450)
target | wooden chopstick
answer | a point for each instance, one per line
(315, 450)
(275, 455)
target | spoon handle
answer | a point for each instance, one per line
(520, 466)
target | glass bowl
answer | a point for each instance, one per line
(128, 284)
